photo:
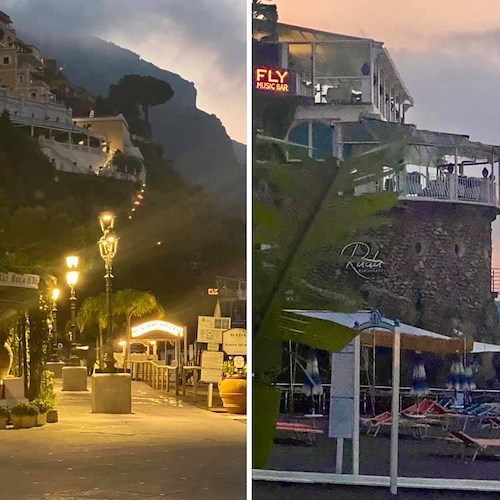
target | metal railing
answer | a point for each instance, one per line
(156, 375)
(446, 187)
(322, 403)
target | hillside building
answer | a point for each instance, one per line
(43, 111)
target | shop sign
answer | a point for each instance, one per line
(271, 79)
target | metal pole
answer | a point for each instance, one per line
(72, 303)
(184, 334)
(340, 455)
(54, 326)
(396, 358)
(109, 360)
(355, 413)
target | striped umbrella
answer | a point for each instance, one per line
(419, 386)
(457, 379)
(469, 380)
(312, 382)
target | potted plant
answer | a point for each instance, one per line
(4, 416)
(29, 420)
(233, 387)
(17, 413)
(43, 408)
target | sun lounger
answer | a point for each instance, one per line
(478, 445)
(417, 427)
(298, 431)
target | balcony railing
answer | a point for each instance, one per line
(443, 187)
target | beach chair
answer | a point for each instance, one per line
(478, 445)
(298, 431)
(377, 422)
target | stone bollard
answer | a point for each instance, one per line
(111, 393)
(74, 378)
(55, 367)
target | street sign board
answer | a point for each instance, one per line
(211, 366)
(234, 341)
(210, 329)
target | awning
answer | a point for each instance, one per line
(412, 338)
(480, 347)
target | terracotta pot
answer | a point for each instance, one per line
(41, 419)
(5, 360)
(233, 392)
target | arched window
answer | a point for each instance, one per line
(20, 78)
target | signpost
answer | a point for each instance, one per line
(211, 370)
(210, 329)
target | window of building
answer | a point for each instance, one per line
(6, 60)
(20, 78)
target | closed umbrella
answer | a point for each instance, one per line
(312, 382)
(419, 386)
(456, 379)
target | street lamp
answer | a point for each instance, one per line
(55, 296)
(72, 279)
(108, 245)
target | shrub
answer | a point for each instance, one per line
(43, 406)
(32, 410)
(4, 412)
(47, 393)
(19, 410)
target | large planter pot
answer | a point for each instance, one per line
(233, 392)
(3, 422)
(17, 421)
(28, 421)
(41, 419)
(5, 360)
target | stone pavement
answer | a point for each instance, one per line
(165, 449)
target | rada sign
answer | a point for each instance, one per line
(235, 341)
(272, 80)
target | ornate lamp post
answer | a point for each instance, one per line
(55, 296)
(108, 245)
(72, 278)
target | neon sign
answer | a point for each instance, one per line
(272, 80)
(162, 326)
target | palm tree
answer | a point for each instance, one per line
(135, 304)
(93, 312)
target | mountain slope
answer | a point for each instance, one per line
(195, 141)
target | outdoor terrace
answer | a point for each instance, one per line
(423, 165)
(338, 71)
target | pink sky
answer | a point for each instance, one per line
(407, 24)
(447, 52)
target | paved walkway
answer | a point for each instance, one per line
(165, 449)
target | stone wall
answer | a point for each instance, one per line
(436, 272)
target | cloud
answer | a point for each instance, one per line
(455, 86)
(204, 40)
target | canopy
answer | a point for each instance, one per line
(412, 338)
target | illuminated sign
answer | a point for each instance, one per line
(272, 80)
(157, 325)
(213, 291)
